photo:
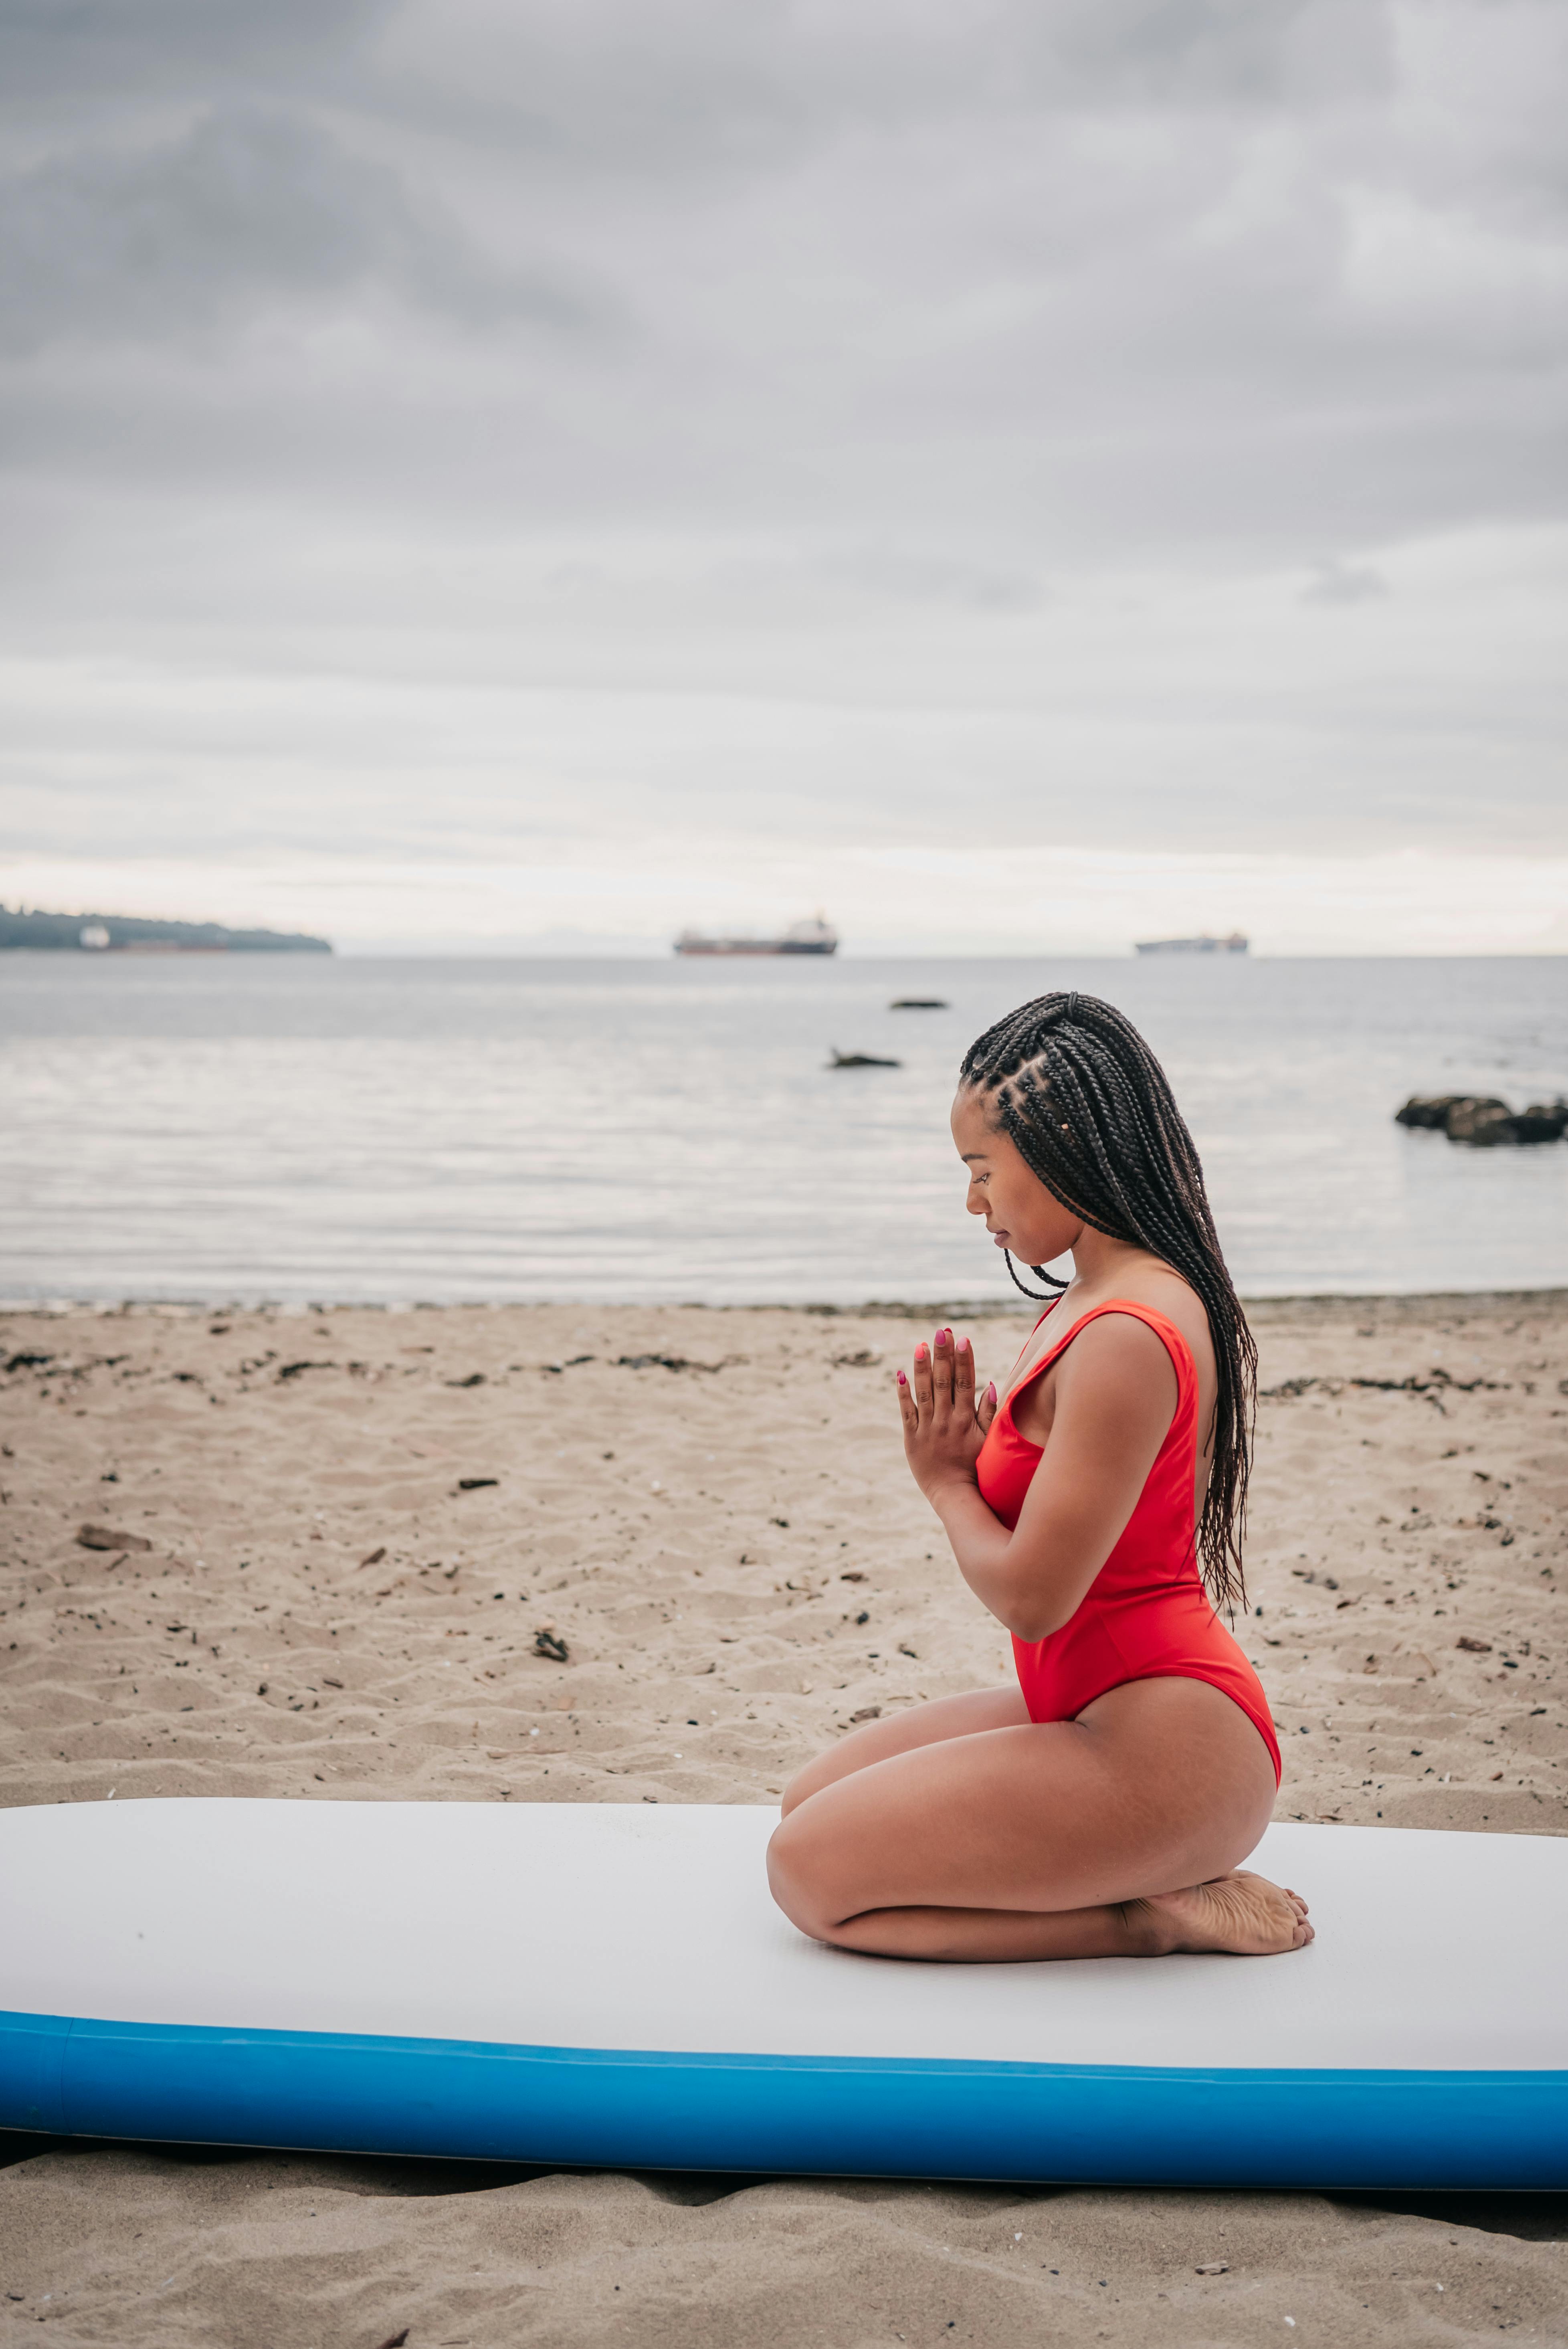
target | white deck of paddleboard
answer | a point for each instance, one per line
(650, 1927)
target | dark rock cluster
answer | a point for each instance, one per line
(1484, 1122)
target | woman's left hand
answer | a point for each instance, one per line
(944, 1427)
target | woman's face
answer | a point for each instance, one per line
(1020, 1212)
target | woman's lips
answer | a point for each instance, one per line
(999, 1239)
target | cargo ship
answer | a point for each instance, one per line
(813, 938)
(1234, 943)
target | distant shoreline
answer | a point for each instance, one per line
(109, 933)
(650, 954)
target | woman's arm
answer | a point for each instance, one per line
(1116, 1394)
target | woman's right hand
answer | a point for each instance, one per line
(943, 1426)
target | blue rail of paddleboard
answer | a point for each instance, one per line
(843, 2116)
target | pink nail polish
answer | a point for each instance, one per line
(991, 1390)
(902, 1380)
(920, 1351)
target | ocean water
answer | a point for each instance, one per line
(295, 1128)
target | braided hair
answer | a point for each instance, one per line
(1089, 1109)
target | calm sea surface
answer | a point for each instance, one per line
(298, 1128)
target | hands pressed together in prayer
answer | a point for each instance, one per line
(943, 1424)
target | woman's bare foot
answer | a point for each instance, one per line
(1243, 1914)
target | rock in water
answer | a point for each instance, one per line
(1482, 1122)
(1429, 1110)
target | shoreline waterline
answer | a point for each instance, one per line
(970, 1309)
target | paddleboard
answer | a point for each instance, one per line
(611, 1985)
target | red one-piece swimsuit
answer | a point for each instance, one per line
(1146, 1614)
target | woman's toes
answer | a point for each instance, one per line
(1240, 1913)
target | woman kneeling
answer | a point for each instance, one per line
(1102, 1807)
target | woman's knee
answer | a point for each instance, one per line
(825, 1769)
(797, 1876)
(931, 1722)
(798, 1788)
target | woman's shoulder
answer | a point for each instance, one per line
(1112, 1362)
(1163, 1293)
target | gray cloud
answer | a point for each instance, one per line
(1345, 582)
(867, 359)
(99, 53)
(248, 207)
(692, 86)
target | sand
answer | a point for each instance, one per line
(710, 1513)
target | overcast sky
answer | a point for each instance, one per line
(1011, 474)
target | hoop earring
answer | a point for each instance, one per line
(1046, 1296)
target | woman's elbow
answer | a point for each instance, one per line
(1031, 1622)
(1031, 1597)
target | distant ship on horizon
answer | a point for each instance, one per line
(813, 938)
(1234, 943)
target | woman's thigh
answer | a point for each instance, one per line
(924, 1724)
(1159, 1784)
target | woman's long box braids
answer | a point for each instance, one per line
(1089, 1109)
